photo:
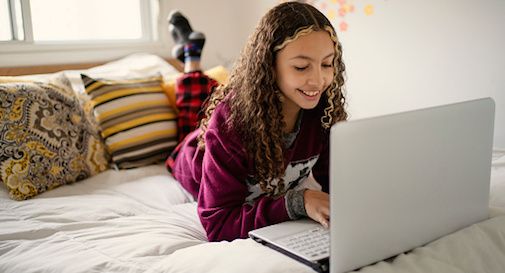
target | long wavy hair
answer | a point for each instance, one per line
(254, 98)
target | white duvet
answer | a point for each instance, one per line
(140, 220)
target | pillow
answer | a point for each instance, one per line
(218, 73)
(133, 66)
(135, 118)
(46, 139)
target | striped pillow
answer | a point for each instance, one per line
(136, 120)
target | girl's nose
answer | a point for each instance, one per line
(316, 78)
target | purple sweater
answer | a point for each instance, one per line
(230, 202)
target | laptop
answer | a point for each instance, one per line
(397, 182)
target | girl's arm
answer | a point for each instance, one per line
(222, 208)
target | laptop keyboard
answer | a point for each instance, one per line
(313, 243)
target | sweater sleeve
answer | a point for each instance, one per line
(321, 171)
(222, 208)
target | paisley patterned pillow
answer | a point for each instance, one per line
(46, 139)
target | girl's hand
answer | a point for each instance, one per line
(317, 206)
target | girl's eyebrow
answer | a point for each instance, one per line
(309, 58)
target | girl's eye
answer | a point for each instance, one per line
(300, 68)
(327, 65)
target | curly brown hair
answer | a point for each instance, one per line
(254, 97)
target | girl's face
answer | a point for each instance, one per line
(304, 69)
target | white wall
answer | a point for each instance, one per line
(412, 54)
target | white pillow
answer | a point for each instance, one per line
(135, 66)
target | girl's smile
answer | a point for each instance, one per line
(310, 94)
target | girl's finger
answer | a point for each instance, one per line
(324, 222)
(325, 211)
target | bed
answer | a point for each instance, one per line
(141, 220)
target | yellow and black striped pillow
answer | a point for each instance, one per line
(136, 120)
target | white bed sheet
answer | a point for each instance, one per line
(141, 220)
(478, 248)
(497, 187)
(117, 221)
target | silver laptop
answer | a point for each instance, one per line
(397, 182)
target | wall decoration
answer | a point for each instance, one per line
(338, 11)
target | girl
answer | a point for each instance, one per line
(264, 140)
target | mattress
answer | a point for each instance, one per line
(141, 220)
